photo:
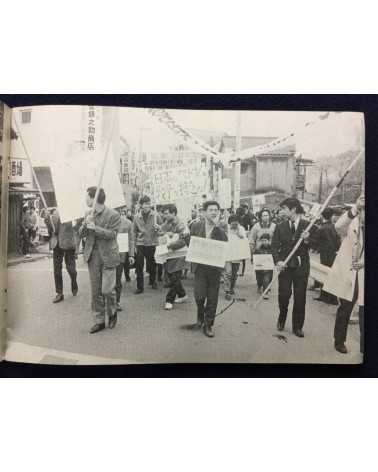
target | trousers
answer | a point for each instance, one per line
(290, 281)
(103, 281)
(263, 278)
(343, 314)
(206, 291)
(148, 253)
(69, 258)
(176, 288)
(123, 267)
(231, 275)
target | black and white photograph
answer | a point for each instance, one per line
(165, 236)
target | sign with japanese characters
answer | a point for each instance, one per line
(207, 251)
(19, 171)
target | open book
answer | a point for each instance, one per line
(256, 218)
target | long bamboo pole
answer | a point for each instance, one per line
(32, 169)
(311, 224)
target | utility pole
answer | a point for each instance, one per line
(236, 164)
(320, 185)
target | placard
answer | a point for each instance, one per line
(263, 262)
(238, 249)
(123, 242)
(207, 251)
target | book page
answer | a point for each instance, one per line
(76, 296)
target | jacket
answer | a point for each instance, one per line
(341, 279)
(283, 242)
(176, 227)
(144, 232)
(63, 236)
(104, 237)
(219, 233)
(327, 243)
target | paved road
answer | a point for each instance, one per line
(146, 333)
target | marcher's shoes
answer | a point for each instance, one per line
(118, 307)
(59, 298)
(182, 299)
(113, 320)
(138, 291)
(266, 296)
(280, 325)
(208, 331)
(299, 333)
(320, 299)
(341, 348)
(97, 327)
(74, 288)
(168, 306)
(228, 296)
(154, 286)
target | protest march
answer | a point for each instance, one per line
(206, 220)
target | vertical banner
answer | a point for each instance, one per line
(236, 166)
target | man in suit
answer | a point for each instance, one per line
(63, 244)
(101, 253)
(328, 243)
(207, 278)
(294, 275)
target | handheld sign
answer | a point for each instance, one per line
(238, 249)
(207, 252)
(263, 262)
(123, 242)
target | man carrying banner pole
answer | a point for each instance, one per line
(100, 229)
(207, 278)
(346, 277)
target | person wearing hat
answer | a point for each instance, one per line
(293, 276)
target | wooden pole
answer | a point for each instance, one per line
(32, 170)
(311, 224)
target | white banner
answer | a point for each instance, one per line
(207, 251)
(74, 173)
(225, 193)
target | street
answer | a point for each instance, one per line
(146, 333)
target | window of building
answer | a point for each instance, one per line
(243, 168)
(25, 116)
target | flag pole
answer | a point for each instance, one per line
(33, 171)
(311, 224)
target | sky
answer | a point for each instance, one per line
(339, 132)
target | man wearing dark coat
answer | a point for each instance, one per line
(294, 275)
(63, 244)
(207, 278)
(328, 243)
